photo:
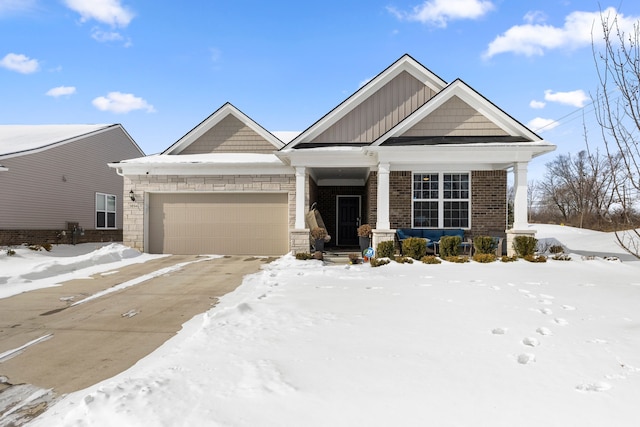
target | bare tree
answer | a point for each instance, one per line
(579, 189)
(617, 103)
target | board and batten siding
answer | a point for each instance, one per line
(380, 112)
(47, 189)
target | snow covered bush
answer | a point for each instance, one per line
(385, 249)
(484, 244)
(377, 262)
(449, 246)
(484, 257)
(414, 247)
(525, 245)
(404, 259)
(430, 259)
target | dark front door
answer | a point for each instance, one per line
(347, 221)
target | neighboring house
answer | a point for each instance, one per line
(54, 179)
(405, 150)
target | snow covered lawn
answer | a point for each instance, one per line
(303, 344)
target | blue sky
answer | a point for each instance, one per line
(160, 68)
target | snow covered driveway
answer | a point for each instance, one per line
(72, 336)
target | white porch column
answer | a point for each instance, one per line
(520, 217)
(383, 197)
(300, 196)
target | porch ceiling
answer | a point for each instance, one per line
(328, 175)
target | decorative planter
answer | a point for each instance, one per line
(364, 243)
(319, 245)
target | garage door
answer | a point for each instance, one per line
(225, 224)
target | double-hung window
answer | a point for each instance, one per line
(441, 200)
(105, 210)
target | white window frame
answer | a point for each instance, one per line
(440, 200)
(107, 211)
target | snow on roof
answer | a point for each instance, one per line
(210, 158)
(286, 136)
(20, 138)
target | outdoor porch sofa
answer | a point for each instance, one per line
(433, 235)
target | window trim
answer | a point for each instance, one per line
(106, 211)
(440, 200)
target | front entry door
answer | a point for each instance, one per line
(347, 220)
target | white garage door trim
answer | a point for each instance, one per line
(217, 223)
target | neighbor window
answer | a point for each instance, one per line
(441, 200)
(105, 210)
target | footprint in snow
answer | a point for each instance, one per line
(526, 358)
(560, 321)
(546, 311)
(568, 307)
(499, 331)
(595, 386)
(531, 342)
(544, 331)
(545, 301)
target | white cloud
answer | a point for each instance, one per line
(61, 91)
(575, 98)
(110, 12)
(534, 39)
(118, 102)
(439, 12)
(9, 6)
(540, 125)
(537, 104)
(20, 63)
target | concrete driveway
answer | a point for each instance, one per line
(84, 344)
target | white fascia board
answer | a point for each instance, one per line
(197, 169)
(471, 97)
(406, 63)
(216, 118)
(328, 157)
(454, 154)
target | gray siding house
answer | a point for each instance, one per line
(406, 150)
(55, 178)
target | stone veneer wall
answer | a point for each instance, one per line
(133, 228)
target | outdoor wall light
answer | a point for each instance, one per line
(132, 196)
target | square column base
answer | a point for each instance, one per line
(299, 240)
(382, 236)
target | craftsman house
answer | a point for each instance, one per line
(55, 185)
(407, 150)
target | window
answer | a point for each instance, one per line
(441, 200)
(105, 210)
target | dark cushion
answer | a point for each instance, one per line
(456, 232)
(401, 234)
(413, 232)
(432, 235)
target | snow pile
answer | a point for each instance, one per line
(28, 270)
(302, 343)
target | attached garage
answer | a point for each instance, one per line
(218, 223)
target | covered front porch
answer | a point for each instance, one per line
(375, 186)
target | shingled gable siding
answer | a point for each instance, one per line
(488, 201)
(230, 135)
(380, 112)
(455, 118)
(133, 233)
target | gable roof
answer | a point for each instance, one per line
(215, 118)
(405, 64)
(17, 140)
(471, 97)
